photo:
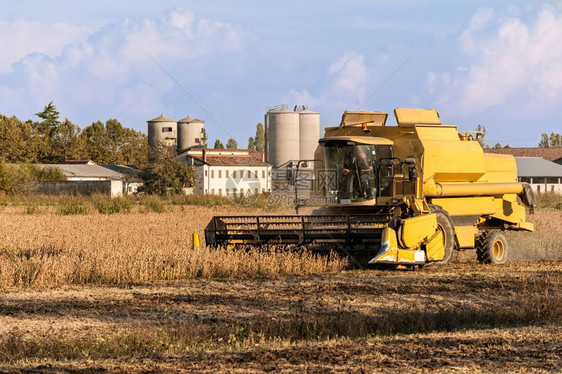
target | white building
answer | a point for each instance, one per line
(228, 172)
(544, 176)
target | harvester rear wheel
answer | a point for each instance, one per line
(491, 248)
(446, 227)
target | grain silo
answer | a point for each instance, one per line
(190, 133)
(282, 135)
(309, 133)
(162, 130)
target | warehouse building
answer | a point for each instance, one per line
(84, 177)
(544, 176)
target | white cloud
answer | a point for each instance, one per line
(114, 68)
(344, 88)
(20, 38)
(509, 63)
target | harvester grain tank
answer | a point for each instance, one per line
(401, 195)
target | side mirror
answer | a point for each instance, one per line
(412, 173)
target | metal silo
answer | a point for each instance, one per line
(309, 133)
(190, 132)
(283, 136)
(162, 130)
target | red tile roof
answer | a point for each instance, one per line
(230, 160)
(550, 154)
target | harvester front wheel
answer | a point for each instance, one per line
(491, 248)
(446, 227)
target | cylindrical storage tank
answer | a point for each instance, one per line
(309, 133)
(190, 132)
(283, 136)
(162, 130)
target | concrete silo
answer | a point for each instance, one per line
(283, 135)
(309, 133)
(190, 133)
(162, 130)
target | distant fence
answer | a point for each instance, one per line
(113, 188)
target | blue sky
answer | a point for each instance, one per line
(496, 65)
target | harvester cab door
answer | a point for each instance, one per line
(353, 165)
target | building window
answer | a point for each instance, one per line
(234, 191)
(249, 174)
(220, 173)
(256, 191)
(263, 174)
(205, 172)
(166, 129)
(220, 191)
(241, 192)
(256, 174)
(227, 173)
(212, 191)
(234, 174)
(212, 173)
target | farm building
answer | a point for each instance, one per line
(85, 177)
(228, 172)
(543, 175)
(553, 154)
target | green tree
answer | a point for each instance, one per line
(218, 144)
(67, 144)
(13, 147)
(50, 117)
(204, 138)
(111, 143)
(555, 140)
(545, 141)
(231, 144)
(163, 175)
(251, 144)
(260, 138)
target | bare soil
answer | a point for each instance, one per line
(459, 318)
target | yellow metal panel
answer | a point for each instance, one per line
(434, 249)
(448, 159)
(414, 230)
(465, 236)
(391, 254)
(508, 209)
(410, 117)
(466, 206)
(368, 139)
(499, 168)
(358, 118)
(431, 188)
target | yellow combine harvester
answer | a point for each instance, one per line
(400, 195)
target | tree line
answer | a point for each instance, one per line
(50, 140)
(255, 144)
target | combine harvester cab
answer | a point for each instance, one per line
(402, 195)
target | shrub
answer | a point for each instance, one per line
(153, 204)
(72, 207)
(113, 206)
(15, 179)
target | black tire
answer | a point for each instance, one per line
(446, 227)
(491, 248)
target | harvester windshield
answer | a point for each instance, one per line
(356, 172)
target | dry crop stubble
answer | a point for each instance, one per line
(51, 250)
